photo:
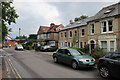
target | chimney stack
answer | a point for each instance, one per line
(71, 21)
(52, 24)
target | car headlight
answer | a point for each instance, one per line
(83, 60)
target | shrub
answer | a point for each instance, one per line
(37, 48)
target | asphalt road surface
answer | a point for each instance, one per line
(31, 64)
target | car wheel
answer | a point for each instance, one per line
(55, 60)
(74, 65)
(104, 72)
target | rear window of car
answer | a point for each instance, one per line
(108, 55)
(116, 56)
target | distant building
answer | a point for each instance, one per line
(49, 34)
(8, 41)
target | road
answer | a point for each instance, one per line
(31, 64)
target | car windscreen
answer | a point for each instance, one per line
(75, 52)
(19, 45)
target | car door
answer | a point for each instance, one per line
(60, 55)
(67, 56)
(115, 64)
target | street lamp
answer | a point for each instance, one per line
(19, 31)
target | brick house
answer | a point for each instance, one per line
(103, 29)
(49, 34)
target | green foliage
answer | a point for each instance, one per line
(32, 36)
(80, 18)
(9, 16)
(21, 37)
(74, 40)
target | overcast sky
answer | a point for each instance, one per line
(34, 13)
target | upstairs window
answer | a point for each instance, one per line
(70, 34)
(65, 35)
(82, 32)
(49, 35)
(61, 34)
(75, 33)
(104, 28)
(92, 29)
(110, 25)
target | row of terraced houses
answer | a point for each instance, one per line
(102, 29)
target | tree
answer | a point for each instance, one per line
(74, 40)
(21, 37)
(9, 16)
(80, 18)
(32, 36)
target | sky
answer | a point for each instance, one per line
(36, 13)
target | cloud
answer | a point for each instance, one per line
(32, 14)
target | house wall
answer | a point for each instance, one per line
(98, 36)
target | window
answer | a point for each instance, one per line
(108, 55)
(80, 44)
(70, 33)
(104, 45)
(75, 33)
(92, 29)
(60, 51)
(104, 29)
(82, 32)
(61, 34)
(110, 25)
(68, 44)
(43, 36)
(65, 35)
(84, 43)
(112, 45)
(65, 51)
(116, 56)
(107, 26)
(49, 35)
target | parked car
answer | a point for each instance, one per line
(109, 65)
(48, 48)
(73, 57)
(18, 47)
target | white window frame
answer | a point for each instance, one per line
(107, 27)
(110, 25)
(64, 34)
(48, 35)
(103, 27)
(76, 33)
(82, 32)
(69, 34)
(92, 28)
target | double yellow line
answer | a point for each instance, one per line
(13, 69)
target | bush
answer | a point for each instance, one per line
(28, 47)
(37, 48)
(98, 54)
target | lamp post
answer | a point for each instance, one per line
(19, 31)
(19, 34)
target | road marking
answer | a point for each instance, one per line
(17, 75)
(15, 69)
(11, 67)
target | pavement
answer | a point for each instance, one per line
(32, 64)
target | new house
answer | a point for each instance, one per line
(102, 29)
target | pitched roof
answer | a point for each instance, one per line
(108, 11)
(43, 29)
(80, 23)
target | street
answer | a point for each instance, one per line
(31, 64)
